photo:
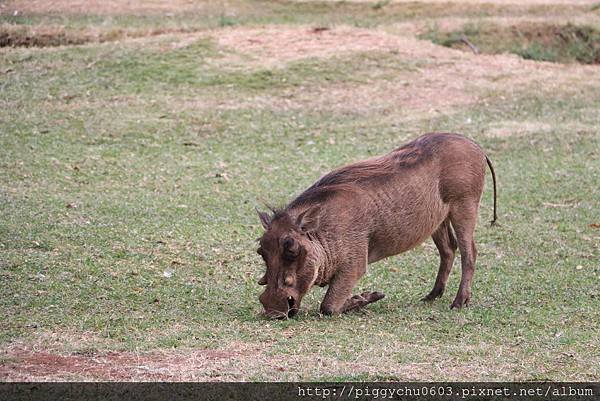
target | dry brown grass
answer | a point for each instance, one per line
(505, 129)
(508, 2)
(105, 7)
(276, 46)
(448, 78)
(120, 7)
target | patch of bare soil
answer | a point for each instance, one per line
(205, 365)
(237, 362)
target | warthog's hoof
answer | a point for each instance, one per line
(435, 293)
(459, 302)
(359, 301)
(373, 296)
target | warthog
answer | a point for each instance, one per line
(369, 210)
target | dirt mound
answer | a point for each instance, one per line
(274, 46)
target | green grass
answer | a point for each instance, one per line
(542, 42)
(101, 199)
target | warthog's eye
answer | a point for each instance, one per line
(290, 249)
(289, 256)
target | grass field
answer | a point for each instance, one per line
(137, 141)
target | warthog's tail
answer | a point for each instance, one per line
(489, 163)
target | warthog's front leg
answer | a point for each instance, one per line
(342, 284)
(339, 297)
(359, 301)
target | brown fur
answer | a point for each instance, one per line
(369, 210)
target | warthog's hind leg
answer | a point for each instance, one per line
(362, 300)
(464, 218)
(446, 244)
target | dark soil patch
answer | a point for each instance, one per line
(25, 36)
(11, 36)
(543, 42)
(121, 366)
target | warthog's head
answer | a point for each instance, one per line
(286, 249)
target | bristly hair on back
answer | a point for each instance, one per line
(361, 175)
(319, 193)
(350, 178)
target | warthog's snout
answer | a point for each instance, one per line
(279, 304)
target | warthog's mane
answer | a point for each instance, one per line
(367, 174)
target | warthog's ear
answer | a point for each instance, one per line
(265, 219)
(308, 220)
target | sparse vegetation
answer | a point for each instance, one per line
(130, 169)
(51, 36)
(542, 42)
(380, 4)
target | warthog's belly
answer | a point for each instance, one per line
(407, 219)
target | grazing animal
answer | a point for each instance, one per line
(369, 210)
